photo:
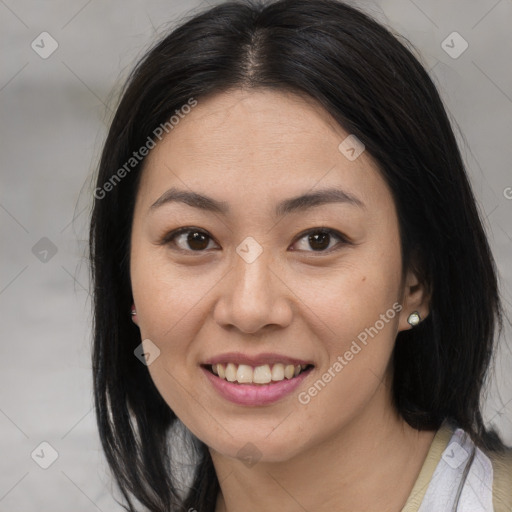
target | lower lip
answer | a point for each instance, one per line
(255, 394)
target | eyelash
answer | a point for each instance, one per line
(169, 238)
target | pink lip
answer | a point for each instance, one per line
(254, 394)
(257, 360)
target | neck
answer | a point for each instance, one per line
(371, 463)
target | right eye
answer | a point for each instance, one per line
(188, 239)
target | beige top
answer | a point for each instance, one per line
(439, 443)
(502, 466)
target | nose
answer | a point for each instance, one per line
(254, 296)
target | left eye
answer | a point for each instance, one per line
(319, 239)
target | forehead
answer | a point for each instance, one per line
(257, 143)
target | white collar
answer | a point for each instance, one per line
(464, 475)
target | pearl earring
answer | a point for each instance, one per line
(133, 312)
(414, 318)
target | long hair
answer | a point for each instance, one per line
(375, 88)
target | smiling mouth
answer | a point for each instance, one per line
(264, 374)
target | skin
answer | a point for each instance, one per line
(347, 449)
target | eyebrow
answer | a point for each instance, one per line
(287, 206)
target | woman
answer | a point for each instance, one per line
(289, 263)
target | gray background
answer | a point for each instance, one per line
(54, 117)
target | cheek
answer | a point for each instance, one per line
(354, 314)
(166, 294)
(167, 305)
(353, 297)
(357, 325)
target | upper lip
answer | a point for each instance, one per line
(256, 360)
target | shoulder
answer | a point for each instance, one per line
(502, 479)
(493, 468)
(468, 478)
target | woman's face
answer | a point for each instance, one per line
(260, 285)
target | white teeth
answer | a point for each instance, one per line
(245, 374)
(278, 372)
(262, 374)
(231, 372)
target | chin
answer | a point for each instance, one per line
(251, 449)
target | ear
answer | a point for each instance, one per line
(415, 297)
